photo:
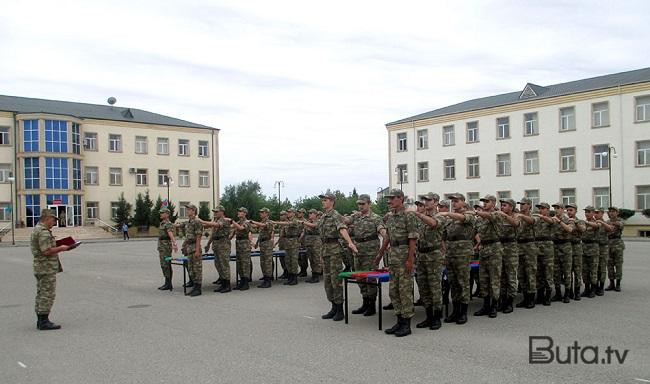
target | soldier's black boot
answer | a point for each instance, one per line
(501, 303)
(508, 307)
(405, 329)
(225, 288)
(294, 279)
(558, 293)
(570, 290)
(611, 285)
(362, 308)
(592, 291)
(493, 309)
(329, 314)
(196, 290)
(244, 285)
(599, 288)
(167, 286)
(44, 323)
(303, 272)
(435, 322)
(314, 278)
(524, 301)
(453, 317)
(565, 298)
(618, 285)
(485, 309)
(371, 310)
(540, 296)
(587, 289)
(531, 301)
(547, 297)
(388, 307)
(462, 316)
(427, 322)
(339, 315)
(266, 283)
(576, 291)
(394, 328)
(419, 303)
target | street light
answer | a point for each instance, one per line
(11, 180)
(610, 150)
(280, 185)
(168, 181)
(402, 173)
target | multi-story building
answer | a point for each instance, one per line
(562, 142)
(78, 158)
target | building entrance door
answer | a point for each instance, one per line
(65, 215)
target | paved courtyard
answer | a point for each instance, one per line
(117, 328)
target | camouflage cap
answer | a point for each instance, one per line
(558, 205)
(419, 202)
(395, 193)
(589, 208)
(290, 210)
(511, 202)
(218, 208)
(600, 209)
(477, 206)
(571, 205)
(489, 198)
(430, 196)
(283, 213)
(313, 211)
(265, 210)
(327, 195)
(190, 206)
(444, 203)
(525, 200)
(364, 198)
(48, 213)
(242, 209)
(456, 196)
(543, 205)
(302, 210)
(164, 210)
(612, 209)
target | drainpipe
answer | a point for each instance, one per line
(15, 183)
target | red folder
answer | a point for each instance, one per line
(69, 241)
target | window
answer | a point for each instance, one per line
(114, 207)
(423, 171)
(601, 156)
(473, 199)
(450, 169)
(76, 174)
(504, 195)
(115, 176)
(203, 148)
(472, 132)
(76, 139)
(503, 164)
(5, 213)
(91, 176)
(533, 195)
(642, 197)
(92, 209)
(643, 108)
(568, 196)
(163, 146)
(4, 136)
(56, 136)
(56, 173)
(401, 142)
(531, 162)
(530, 124)
(30, 136)
(472, 167)
(402, 174)
(448, 135)
(567, 159)
(503, 128)
(5, 172)
(423, 139)
(49, 199)
(32, 174)
(204, 179)
(567, 119)
(162, 177)
(32, 209)
(183, 147)
(115, 143)
(90, 141)
(141, 177)
(140, 144)
(76, 209)
(600, 114)
(643, 153)
(182, 211)
(183, 178)
(601, 197)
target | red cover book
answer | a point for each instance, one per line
(69, 241)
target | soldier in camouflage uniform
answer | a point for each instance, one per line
(402, 235)
(281, 243)
(510, 258)
(603, 247)
(265, 243)
(314, 247)
(243, 241)
(616, 248)
(460, 248)
(563, 228)
(488, 228)
(368, 226)
(545, 257)
(166, 243)
(348, 258)
(528, 252)
(330, 227)
(220, 242)
(303, 259)
(192, 249)
(292, 231)
(576, 242)
(590, 252)
(46, 266)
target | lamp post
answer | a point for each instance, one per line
(280, 185)
(11, 180)
(401, 172)
(168, 181)
(610, 150)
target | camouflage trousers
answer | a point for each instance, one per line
(266, 258)
(527, 273)
(365, 261)
(603, 257)
(562, 263)
(45, 293)
(429, 278)
(194, 263)
(332, 266)
(314, 248)
(489, 271)
(590, 255)
(459, 254)
(243, 252)
(615, 263)
(509, 268)
(576, 265)
(221, 250)
(291, 255)
(400, 288)
(545, 261)
(165, 251)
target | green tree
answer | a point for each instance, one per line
(204, 211)
(625, 214)
(172, 212)
(142, 212)
(154, 217)
(272, 205)
(247, 194)
(123, 213)
(380, 206)
(309, 203)
(149, 204)
(646, 213)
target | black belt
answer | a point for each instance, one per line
(261, 239)
(601, 243)
(614, 237)
(488, 242)
(329, 240)
(218, 237)
(456, 238)
(588, 241)
(364, 239)
(290, 237)
(522, 241)
(241, 238)
(397, 243)
(508, 240)
(574, 242)
(543, 239)
(164, 238)
(426, 249)
(561, 241)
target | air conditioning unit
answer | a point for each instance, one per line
(131, 170)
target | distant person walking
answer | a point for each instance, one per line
(125, 231)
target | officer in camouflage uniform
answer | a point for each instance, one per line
(402, 235)
(281, 243)
(192, 249)
(545, 257)
(314, 247)
(348, 258)
(510, 258)
(46, 266)
(576, 242)
(616, 248)
(590, 252)
(292, 231)
(563, 228)
(166, 243)
(528, 252)
(303, 258)
(603, 247)
(243, 241)
(488, 228)
(220, 241)
(460, 248)
(265, 243)
(330, 227)
(368, 226)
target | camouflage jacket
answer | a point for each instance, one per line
(242, 234)
(40, 241)
(543, 230)
(526, 231)
(461, 230)
(591, 234)
(266, 232)
(163, 235)
(489, 229)
(312, 231)
(330, 225)
(508, 231)
(222, 231)
(558, 231)
(293, 229)
(367, 226)
(401, 226)
(580, 228)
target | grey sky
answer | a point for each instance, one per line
(301, 90)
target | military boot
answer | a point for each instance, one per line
(294, 279)
(388, 307)
(289, 279)
(618, 285)
(540, 296)
(167, 286)
(244, 285)
(485, 309)
(599, 288)
(524, 301)
(493, 309)
(427, 321)
(435, 322)
(405, 329)
(394, 328)
(547, 297)
(453, 317)
(339, 315)
(462, 316)
(576, 291)
(44, 323)
(508, 307)
(225, 288)
(371, 310)
(592, 291)
(611, 285)
(314, 278)
(570, 292)
(266, 283)
(196, 290)
(587, 289)
(303, 272)
(531, 301)
(329, 314)
(558, 293)
(501, 304)
(565, 298)
(361, 309)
